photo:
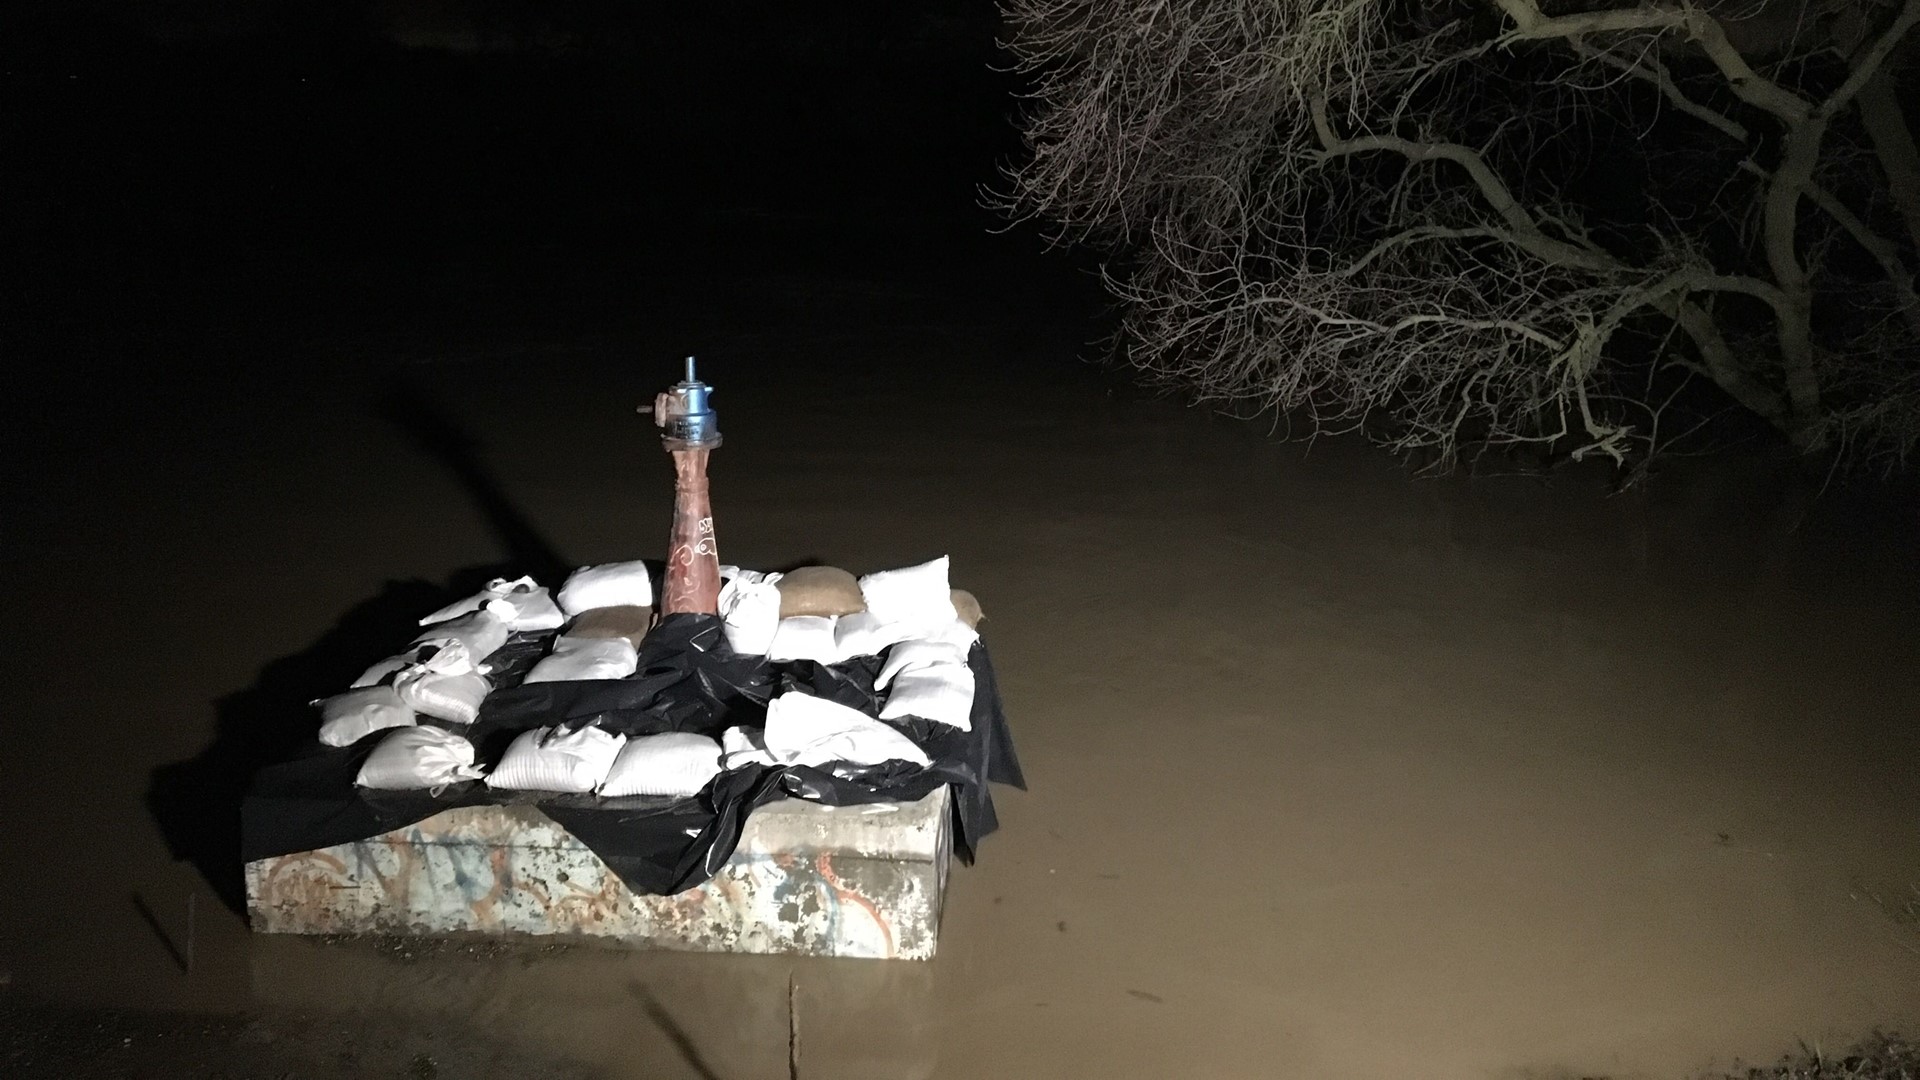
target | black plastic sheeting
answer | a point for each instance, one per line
(687, 680)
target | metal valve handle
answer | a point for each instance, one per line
(683, 411)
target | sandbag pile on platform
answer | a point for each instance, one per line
(657, 771)
(912, 618)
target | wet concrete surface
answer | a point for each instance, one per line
(1335, 773)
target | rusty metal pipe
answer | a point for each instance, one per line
(690, 431)
(693, 560)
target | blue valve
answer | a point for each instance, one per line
(682, 411)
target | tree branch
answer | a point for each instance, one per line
(1414, 235)
(1527, 232)
(1531, 24)
(1409, 322)
(1780, 225)
(1879, 247)
(1870, 61)
(1650, 69)
(1718, 359)
(1886, 124)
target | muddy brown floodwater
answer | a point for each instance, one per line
(1335, 773)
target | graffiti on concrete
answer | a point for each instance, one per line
(511, 870)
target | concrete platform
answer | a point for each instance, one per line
(863, 881)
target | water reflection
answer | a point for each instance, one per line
(622, 1013)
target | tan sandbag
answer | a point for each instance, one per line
(628, 621)
(826, 591)
(967, 606)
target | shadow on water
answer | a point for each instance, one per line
(166, 939)
(441, 437)
(196, 803)
(674, 1032)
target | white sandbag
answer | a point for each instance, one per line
(942, 693)
(481, 632)
(484, 600)
(750, 577)
(453, 698)
(750, 613)
(915, 595)
(806, 730)
(956, 633)
(519, 603)
(586, 658)
(434, 678)
(557, 759)
(866, 634)
(347, 718)
(527, 606)
(607, 585)
(535, 610)
(913, 655)
(676, 763)
(741, 747)
(383, 671)
(418, 757)
(446, 657)
(804, 637)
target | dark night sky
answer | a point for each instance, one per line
(186, 171)
(412, 122)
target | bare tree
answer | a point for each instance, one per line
(1495, 222)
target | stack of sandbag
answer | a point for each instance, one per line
(825, 614)
(443, 682)
(442, 674)
(911, 617)
(925, 673)
(791, 616)
(611, 607)
(813, 599)
(930, 679)
(437, 678)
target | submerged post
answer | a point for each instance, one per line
(690, 432)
